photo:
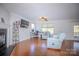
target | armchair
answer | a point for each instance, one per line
(56, 41)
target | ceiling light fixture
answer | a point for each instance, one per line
(43, 18)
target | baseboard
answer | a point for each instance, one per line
(54, 49)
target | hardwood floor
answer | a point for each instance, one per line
(38, 47)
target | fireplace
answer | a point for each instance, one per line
(3, 38)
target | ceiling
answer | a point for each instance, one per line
(54, 11)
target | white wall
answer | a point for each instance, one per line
(24, 33)
(66, 26)
(5, 15)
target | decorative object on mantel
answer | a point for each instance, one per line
(2, 20)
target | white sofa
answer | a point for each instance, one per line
(56, 41)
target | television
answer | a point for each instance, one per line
(24, 23)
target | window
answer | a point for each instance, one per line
(48, 27)
(76, 30)
(51, 30)
(32, 26)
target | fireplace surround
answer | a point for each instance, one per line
(3, 38)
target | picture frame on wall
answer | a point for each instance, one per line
(24, 24)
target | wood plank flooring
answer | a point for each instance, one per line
(38, 47)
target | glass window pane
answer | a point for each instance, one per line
(51, 30)
(76, 30)
(47, 27)
(44, 29)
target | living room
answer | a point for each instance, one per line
(51, 27)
